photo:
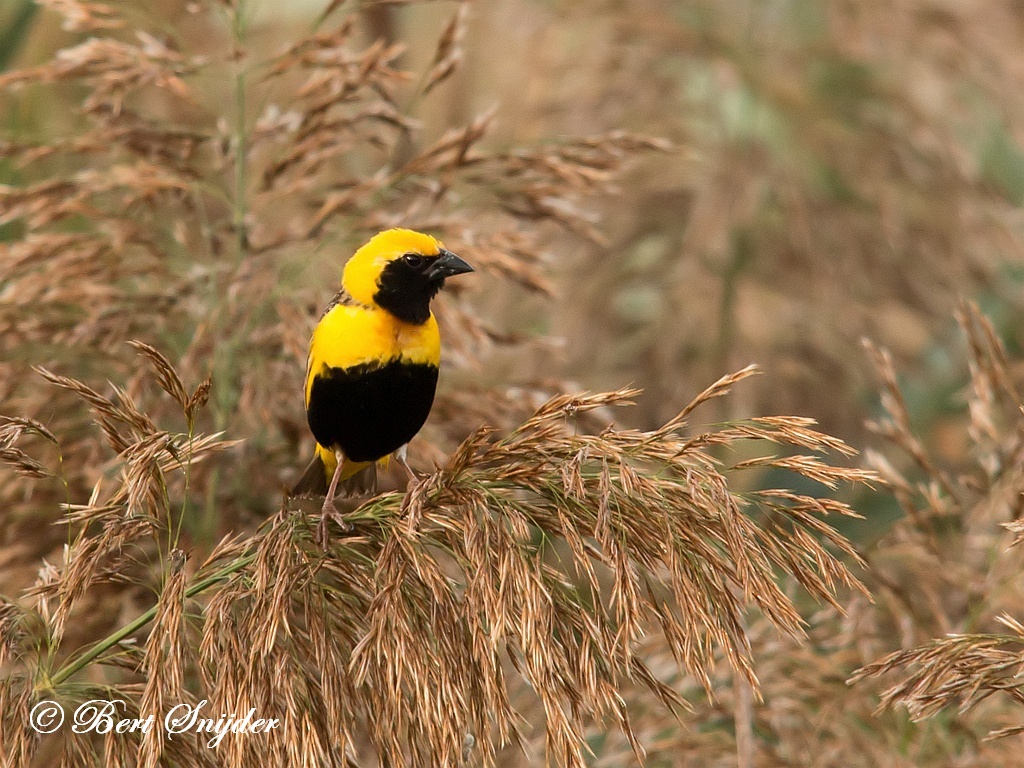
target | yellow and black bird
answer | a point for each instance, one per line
(373, 360)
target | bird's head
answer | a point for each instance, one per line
(400, 271)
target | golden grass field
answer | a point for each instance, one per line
(625, 547)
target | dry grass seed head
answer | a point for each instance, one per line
(954, 541)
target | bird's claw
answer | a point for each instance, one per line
(327, 513)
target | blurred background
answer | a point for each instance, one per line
(658, 192)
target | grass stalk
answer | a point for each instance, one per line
(102, 646)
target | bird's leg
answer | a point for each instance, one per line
(402, 457)
(329, 511)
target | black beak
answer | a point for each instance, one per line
(447, 265)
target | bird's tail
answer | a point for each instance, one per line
(313, 481)
(357, 477)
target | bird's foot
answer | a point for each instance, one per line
(327, 513)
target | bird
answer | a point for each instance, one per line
(373, 361)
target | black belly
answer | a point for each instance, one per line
(368, 411)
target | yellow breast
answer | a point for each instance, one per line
(348, 336)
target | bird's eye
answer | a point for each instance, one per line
(413, 260)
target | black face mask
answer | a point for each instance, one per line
(407, 284)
